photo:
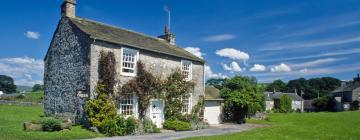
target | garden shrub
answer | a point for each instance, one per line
(109, 127)
(149, 126)
(121, 122)
(50, 124)
(354, 105)
(177, 125)
(131, 125)
(21, 96)
(100, 108)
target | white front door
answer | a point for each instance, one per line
(157, 112)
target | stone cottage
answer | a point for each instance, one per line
(272, 100)
(346, 94)
(71, 64)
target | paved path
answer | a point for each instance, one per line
(215, 130)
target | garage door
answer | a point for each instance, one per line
(212, 112)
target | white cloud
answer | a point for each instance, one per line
(316, 62)
(327, 54)
(210, 74)
(195, 51)
(24, 70)
(32, 35)
(233, 54)
(258, 68)
(304, 71)
(311, 44)
(281, 68)
(219, 38)
(233, 67)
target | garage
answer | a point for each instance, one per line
(213, 106)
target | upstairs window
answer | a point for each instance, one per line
(186, 69)
(129, 60)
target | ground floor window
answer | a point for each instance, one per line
(186, 108)
(128, 105)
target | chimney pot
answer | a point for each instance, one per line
(168, 36)
(68, 8)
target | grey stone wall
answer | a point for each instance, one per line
(67, 70)
(159, 64)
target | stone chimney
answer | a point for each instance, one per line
(168, 36)
(68, 8)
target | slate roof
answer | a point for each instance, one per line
(212, 93)
(116, 35)
(349, 86)
(277, 95)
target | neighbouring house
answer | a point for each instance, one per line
(269, 102)
(213, 105)
(1, 93)
(71, 65)
(272, 100)
(308, 106)
(346, 94)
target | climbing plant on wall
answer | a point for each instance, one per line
(175, 88)
(145, 85)
(107, 71)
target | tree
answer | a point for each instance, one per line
(37, 87)
(322, 103)
(277, 85)
(314, 87)
(242, 98)
(217, 83)
(285, 104)
(7, 84)
(145, 86)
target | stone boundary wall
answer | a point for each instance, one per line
(19, 103)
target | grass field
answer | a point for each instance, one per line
(12, 118)
(36, 97)
(311, 126)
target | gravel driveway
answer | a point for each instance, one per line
(214, 130)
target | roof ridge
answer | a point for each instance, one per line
(122, 28)
(176, 47)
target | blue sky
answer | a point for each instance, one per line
(266, 39)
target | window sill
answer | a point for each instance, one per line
(128, 74)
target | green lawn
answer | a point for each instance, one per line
(312, 126)
(12, 118)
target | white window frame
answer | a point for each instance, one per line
(189, 105)
(134, 106)
(136, 52)
(189, 77)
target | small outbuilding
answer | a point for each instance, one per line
(213, 105)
